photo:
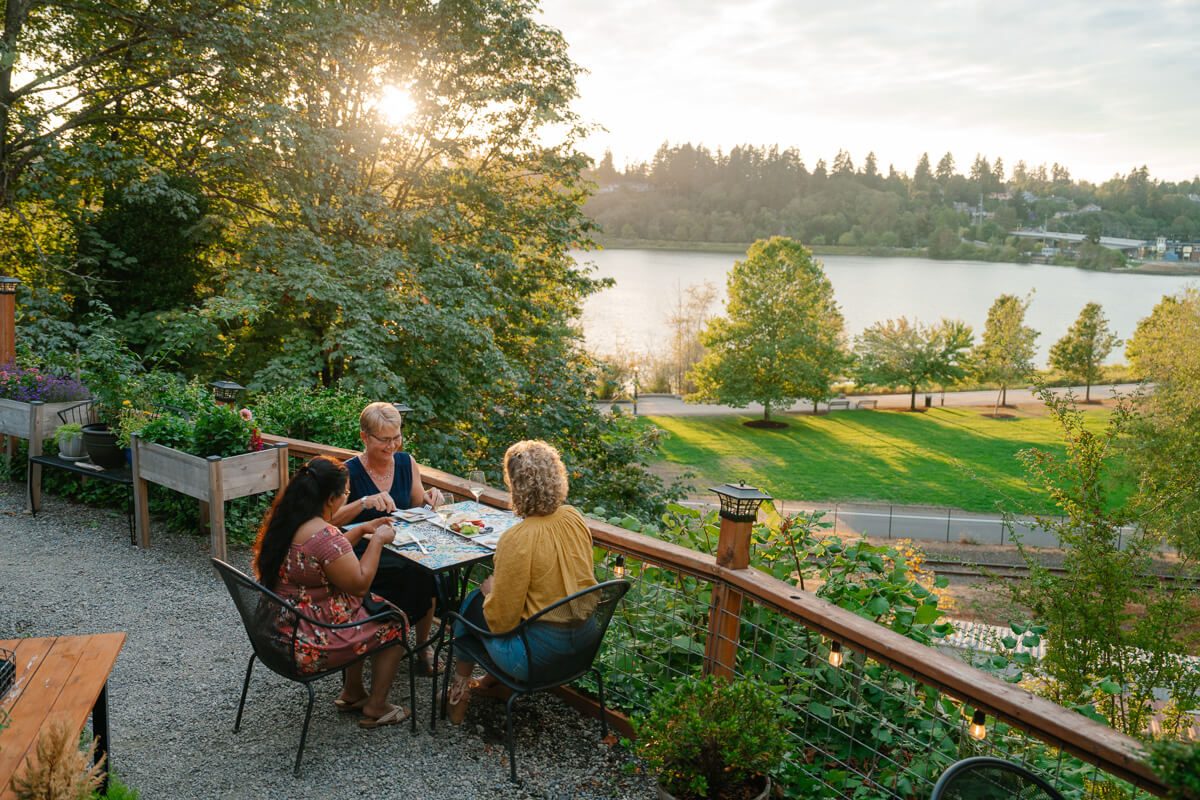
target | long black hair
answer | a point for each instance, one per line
(304, 498)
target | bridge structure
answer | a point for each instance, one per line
(1130, 247)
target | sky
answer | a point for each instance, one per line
(1100, 87)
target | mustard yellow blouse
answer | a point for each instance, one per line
(538, 562)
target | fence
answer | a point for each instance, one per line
(884, 720)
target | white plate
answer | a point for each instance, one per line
(414, 514)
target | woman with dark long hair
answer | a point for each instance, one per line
(306, 560)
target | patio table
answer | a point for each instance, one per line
(57, 678)
(450, 557)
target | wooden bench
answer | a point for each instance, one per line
(866, 403)
(57, 678)
(838, 404)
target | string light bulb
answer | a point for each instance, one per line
(619, 566)
(977, 729)
(835, 654)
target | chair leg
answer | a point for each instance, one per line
(603, 712)
(245, 687)
(412, 690)
(446, 677)
(304, 731)
(512, 753)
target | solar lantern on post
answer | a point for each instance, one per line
(226, 392)
(8, 319)
(402, 410)
(739, 510)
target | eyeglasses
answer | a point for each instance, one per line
(386, 440)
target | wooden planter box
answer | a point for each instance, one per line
(34, 422)
(211, 480)
(23, 419)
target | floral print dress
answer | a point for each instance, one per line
(302, 581)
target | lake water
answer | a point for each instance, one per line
(631, 316)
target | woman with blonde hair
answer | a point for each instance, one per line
(382, 479)
(539, 561)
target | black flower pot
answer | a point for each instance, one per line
(101, 445)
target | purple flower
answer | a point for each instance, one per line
(29, 384)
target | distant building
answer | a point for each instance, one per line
(1001, 196)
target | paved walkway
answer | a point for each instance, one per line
(670, 405)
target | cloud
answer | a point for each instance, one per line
(898, 78)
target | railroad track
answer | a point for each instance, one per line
(1004, 571)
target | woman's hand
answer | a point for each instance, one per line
(433, 497)
(379, 502)
(384, 532)
(486, 587)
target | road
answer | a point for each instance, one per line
(669, 405)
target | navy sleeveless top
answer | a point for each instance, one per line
(361, 485)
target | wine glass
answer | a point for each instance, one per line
(476, 483)
(444, 511)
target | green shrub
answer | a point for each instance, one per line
(326, 416)
(222, 431)
(705, 737)
(1178, 765)
(169, 430)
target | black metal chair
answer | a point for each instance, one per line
(82, 413)
(984, 778)
(261, 611)
(587, 613)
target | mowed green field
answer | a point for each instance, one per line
(945, 457)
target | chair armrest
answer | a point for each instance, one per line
(380, 617)
(484, 633)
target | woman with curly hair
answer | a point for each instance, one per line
(306, 560)
(539, 561)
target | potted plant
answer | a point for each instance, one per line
(108, 367)
(712, 738)
(70, 441)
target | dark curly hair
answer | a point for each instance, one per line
(306, 494)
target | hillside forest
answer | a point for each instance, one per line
(690, 194)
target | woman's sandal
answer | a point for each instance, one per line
(394, 717)
(350, 705)
(456, 701)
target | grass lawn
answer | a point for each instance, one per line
(945, 457)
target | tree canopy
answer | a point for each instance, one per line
(781, 338)
(383, 196)
(1164, 450)
(1006, 353)
(1082, 348)
(909, 353)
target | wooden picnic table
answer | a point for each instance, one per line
(57, 678)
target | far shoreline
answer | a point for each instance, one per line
(729, 248)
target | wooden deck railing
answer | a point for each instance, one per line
(1110, 750)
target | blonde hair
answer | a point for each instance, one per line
(536, 478)
(378, 415)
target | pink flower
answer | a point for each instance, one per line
(247, 414)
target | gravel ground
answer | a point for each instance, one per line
(173, 693)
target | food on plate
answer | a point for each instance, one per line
(469, 527)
